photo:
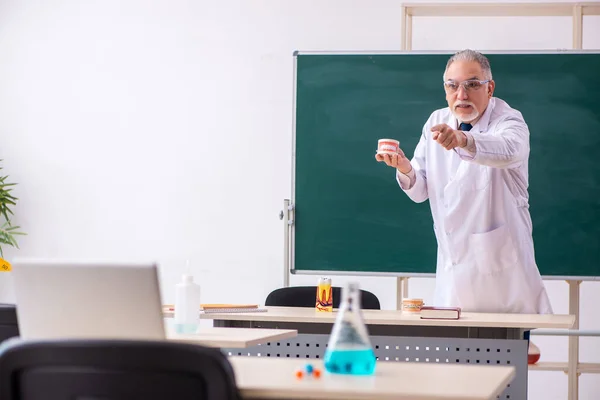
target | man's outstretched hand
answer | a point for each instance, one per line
(447, 137)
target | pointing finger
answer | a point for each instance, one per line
(439, 127)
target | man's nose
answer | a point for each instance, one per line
(462, 93)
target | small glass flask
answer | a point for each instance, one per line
(349, 349)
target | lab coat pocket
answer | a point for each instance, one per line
(494, 251)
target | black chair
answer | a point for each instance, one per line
(306, 296)
(9, 326)
(113, 370)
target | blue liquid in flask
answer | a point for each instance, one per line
(351, 362)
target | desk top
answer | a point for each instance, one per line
(233, 337)
(273, 378)
(397, 317)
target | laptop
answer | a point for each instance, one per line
(88, 300)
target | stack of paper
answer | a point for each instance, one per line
(232, 308)
(221, 308)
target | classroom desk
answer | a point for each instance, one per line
(476, 338)
(268, 378)
(473, 324)
(236, 338)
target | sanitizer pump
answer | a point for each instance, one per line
(187, 305)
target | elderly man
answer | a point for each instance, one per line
(472, 164)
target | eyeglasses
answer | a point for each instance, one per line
(469, 86)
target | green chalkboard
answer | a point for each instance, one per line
(350, 214)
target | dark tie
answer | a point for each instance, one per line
(465, 127)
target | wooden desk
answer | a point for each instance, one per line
(233, 337)
(269, 378)
(397, 318)
(476, 338)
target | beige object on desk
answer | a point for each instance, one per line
(233, 337)
(396, 317)
(274, 378)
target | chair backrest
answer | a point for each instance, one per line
(306, 296)
(113, 370)
(9, 325)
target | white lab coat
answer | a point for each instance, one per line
(480, 209)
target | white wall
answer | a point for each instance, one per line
(161, 130)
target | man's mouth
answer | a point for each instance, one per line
(463, 106)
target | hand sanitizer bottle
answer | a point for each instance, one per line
(349, 350)
(187, 305)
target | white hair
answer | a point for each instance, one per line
(471, 55)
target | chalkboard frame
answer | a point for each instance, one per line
(289, 248)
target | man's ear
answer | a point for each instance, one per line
(491, 87)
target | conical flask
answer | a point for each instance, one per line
(349, 349)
